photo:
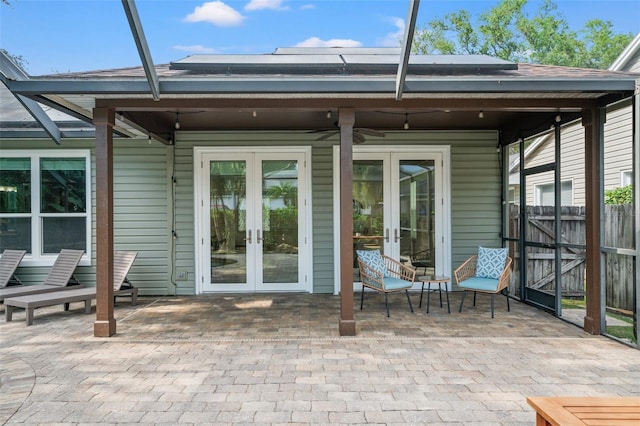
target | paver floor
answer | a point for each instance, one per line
(278, 359)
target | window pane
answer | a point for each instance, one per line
(63, 233)
(15, 233)
(15, 185)
(63, 185)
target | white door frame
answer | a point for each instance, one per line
(441, 154)
(201, 220)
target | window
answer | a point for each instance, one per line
(45, 203)
(544, 194)
(626, 178)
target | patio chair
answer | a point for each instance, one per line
(9, 262)
(60, 277)
(122, 262)
(487, 272)
(384, 274)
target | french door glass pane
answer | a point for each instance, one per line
(368, 203)
(279, 221)
(228, 194)
(417, 213)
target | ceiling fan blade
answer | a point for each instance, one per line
(358, 138)
(327, 135)
(370, 132)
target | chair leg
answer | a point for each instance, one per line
(474, 298)
(492, 305)
(506, 294)
(386, 303)
(409, 299)
(421, 293)
(464, 293)
(362, 297)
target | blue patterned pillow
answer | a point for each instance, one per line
(374, 259)
(491, 262)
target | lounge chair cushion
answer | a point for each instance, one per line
(391, 283)
(374, 259)
(491, 262)
(479, 283)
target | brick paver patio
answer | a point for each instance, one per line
(278, 359)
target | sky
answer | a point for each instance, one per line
(57, 36)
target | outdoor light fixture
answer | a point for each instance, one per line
(329, 114)
(406, 122)
(558, 118)
(481, 114)
(254, 113)
(177, 121)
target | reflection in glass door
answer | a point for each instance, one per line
(252, 222)
(280, 227)
(417, 214)
(228, 220)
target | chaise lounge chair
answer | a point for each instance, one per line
(122, 262)
(9, 262)
(60, 277)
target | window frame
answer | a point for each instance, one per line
(538, 189)
(626, 175)
(37, 257)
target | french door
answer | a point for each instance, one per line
(252, 214)
(401, 205)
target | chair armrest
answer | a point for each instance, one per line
(466, 270)
(503, 281)
(399, 270)
(370, 277)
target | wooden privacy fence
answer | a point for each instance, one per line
(618, 229)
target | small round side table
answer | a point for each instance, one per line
(434, 279)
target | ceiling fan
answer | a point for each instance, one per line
(359, 133)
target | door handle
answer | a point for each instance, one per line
(396, 237)
(248, 239)
(386, 235)
(258, 239)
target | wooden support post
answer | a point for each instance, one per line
(105, 324)
(347, 322)
(593, 199)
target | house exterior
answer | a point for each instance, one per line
(617, 155)
(250, 173)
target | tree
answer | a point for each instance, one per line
(508, 32)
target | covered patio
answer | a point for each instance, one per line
(301, 92)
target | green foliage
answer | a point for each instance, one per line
(622, 195)
(508, 32)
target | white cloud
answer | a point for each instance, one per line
(197, 48)
(307, 6)
(394, 39)
(216, 13)
(334, 42)
(265, 4)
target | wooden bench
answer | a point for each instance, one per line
(580, 411)
(31, 302)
